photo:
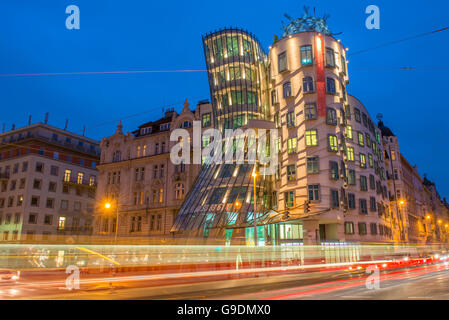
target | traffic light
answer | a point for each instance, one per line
(306, 206)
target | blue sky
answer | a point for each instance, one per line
(166, 35)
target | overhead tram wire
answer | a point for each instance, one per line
(398, 41)
(97, 72)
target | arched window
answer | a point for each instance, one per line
(330, 85)
(307, 84)
(179, 191)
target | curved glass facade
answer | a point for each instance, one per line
(223, 193)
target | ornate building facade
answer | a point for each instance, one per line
(137, 180)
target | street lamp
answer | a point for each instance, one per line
(255, 200)
(108, 206)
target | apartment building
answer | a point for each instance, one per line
(47, 183)
(138, 181)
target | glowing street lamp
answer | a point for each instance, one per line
(401, 202)
(108, 206)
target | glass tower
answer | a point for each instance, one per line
(220, 206)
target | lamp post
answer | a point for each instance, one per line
(255, 200)
(108, 206)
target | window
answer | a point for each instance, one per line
(311, 138)
(312, 165)
(19, 200)
(362, 228)
(350, 153)
(393, 155)
(331, 116)
(77, 206)
(39, 167)
(334, 199)
(330, 85)
(25, 166)
(116, 157)
(291, 172)
(314, 192)
(161, 171)
(372, 202)
(357, 115)
(80, 178)
(373, 227)
(274, 98)
(291, 119)
(179, 191)
(362, 160)
(287, 89)
(35, 201)
(67, 175)
(32, 218)
(333, 144)
(17, 218)
(349, 228)
(52, 186)
(361, 139)
(50, 203)
(333, 169)
(363, 206)
(310, 111)
(330, 58)
(64, 204)
(348, 132)
(372, 182)
(206, 121)
(282, 62)
(291, 144)
(370, 160)
(363, 185)
(54, 170)
(351, 201)
(307, 84)
(289, 199)
(61, 223)
(306, 55)
(48, 219)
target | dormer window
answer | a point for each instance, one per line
(165, 126)
(146, 130)
(186, 124)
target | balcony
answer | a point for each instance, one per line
(79, 182)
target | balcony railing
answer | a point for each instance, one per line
(80, 182)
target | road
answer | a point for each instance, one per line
(419, 282)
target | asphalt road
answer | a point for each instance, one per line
(423, 282)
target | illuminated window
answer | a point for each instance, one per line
(348, 132)
(291, 172)
(306, 55)
(67, 175)
(138, 151)
(236, 97)
(61, 223)
(232, 46)
(333, 144)
(80, 178)
(179, 191)
(370, 160)
(361, 139)
(362, 161)
(350, 153)
(206, 120)
(393, 155)
(311, 137)
(349, 228)
(291, 145)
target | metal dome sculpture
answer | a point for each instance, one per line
(306, 23)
